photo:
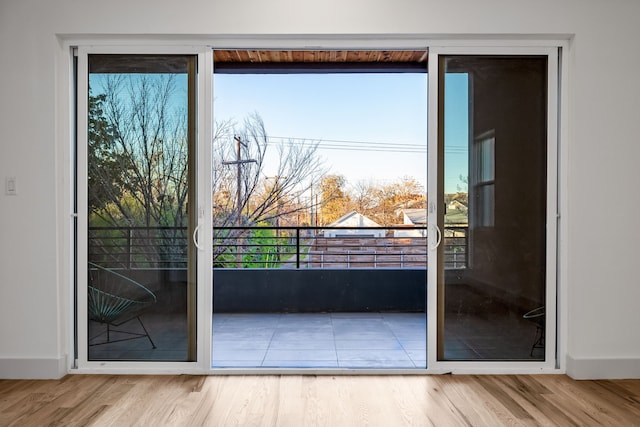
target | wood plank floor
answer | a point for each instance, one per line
(294, 400)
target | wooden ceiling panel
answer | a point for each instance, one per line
(319, 56)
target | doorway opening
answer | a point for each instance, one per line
(319, 209)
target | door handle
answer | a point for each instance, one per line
(195, 238)
(438, 237)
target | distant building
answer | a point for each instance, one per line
(456, 205)
(354, 219)
(415, 218)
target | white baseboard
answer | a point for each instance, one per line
(597, 369)
(28, 369)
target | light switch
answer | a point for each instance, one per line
(10, 186)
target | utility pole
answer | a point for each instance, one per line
(239, 162)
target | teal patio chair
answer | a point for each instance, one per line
(115, 300)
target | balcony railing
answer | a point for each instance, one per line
(138, 247)
(277, 247)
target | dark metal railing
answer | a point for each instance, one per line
(138, 247)
(277, 247)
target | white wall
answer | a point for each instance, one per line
(600, 180)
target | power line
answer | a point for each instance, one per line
(334, 144)
(349, 142)
(351, 145)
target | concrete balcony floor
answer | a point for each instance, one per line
(363, 340)
(320, 340)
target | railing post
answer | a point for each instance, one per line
(129, 255)
(466, 248)
(298, 248)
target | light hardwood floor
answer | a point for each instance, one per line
(294, 400)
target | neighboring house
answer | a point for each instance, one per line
(413, 217)
(456, 205)
(457, 214)
(354, 219)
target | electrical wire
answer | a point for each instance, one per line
(370, 146)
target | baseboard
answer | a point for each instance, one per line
(27, 369)
(596, 369)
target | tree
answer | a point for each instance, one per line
(243, 194)
(138, 152)
(382, 203)
(105, 183)
(138, 161)
(364, 197)
(138, 168)
(335, 202)
(463, 186)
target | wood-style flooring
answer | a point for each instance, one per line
(297, 400)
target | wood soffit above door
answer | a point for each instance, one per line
(319, 56)
(234, 60)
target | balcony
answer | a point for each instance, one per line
(275, 289)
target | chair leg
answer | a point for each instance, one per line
(539, 342)
(130, 335)
(146, 332)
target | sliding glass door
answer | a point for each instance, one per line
(140, 208)
(486, 233)
(493, 187)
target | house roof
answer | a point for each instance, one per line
(416, 216)
(354, 219)
(457, 203)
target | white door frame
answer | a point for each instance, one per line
(550, 362)
(203, 183)
(203, 47)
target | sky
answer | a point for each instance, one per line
(456, 131)
(371, 127)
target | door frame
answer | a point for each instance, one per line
(435, 288)
(554, 46)
(203, 227)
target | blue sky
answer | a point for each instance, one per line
(368, 109)
(456, 131)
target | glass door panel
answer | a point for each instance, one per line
(141, 203)
(493, 184)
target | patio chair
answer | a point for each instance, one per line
(115, 300)
(537, 316)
